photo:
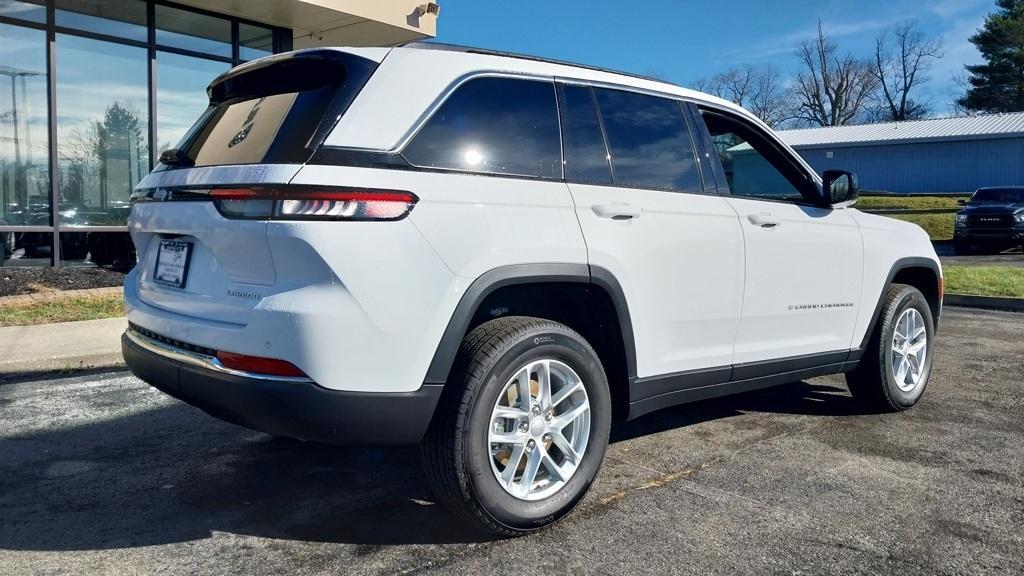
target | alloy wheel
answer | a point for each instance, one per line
(539, 429)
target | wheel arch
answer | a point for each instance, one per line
(921, 273)
(588, 299)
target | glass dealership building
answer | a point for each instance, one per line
(92, 90)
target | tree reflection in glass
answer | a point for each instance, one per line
(103, 127)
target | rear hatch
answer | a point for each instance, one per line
(265, 119)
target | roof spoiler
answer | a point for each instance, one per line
(290, 72)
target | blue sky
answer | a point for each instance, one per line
(681, 41)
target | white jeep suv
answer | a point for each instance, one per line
(496, 256)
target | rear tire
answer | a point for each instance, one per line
(467, 468)
(894, 371)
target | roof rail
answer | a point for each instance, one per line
(471, 50)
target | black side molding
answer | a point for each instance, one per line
(657, 392)
(702, 385)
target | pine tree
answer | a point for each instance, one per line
(998, 84)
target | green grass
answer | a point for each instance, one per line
(909, 203)
(70, 310)
(985, 280)
(938, 226)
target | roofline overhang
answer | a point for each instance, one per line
(902, 141)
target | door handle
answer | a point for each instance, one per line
(764, 220)
(616, 211)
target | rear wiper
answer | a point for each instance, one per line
(176, 157)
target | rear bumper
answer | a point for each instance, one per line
(283, 407)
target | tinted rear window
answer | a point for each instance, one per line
(493, 125)
(277, 113)
(649, 141)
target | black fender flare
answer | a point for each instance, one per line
(899, 265)
(487, 283)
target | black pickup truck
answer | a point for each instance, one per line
(992, 220)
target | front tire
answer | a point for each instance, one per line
(522, 427)
(894, 371)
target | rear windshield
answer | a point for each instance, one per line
(275, 113)
(999, 195)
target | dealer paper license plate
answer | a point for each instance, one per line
(172, 263)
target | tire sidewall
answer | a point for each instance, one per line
(504, 508)
(910, 298)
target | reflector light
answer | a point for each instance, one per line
(257, 365)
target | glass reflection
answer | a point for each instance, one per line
(25, 248)
(102, 129)
(181, 94)
(113, 249)
(24, 143)
(191, 31)
(254, 42)
(32, 10)
(124, 18)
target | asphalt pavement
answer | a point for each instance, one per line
(102, 475)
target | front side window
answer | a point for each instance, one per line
(493, 125)
(649, 141)
(754, 166)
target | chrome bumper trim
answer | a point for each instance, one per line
(202, 360)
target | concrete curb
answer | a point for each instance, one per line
(57, 295)
(984, 302)
(62, 347)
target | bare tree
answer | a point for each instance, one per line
(903, 56)
(961, 84)
(758, 88)
(831, 90)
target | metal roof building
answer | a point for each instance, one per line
(921, 156)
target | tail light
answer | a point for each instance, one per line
(303, 203)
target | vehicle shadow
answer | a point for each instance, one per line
(176, 475)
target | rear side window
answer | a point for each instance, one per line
(586, 158)
(649, 141)
(493, 125)
(277, 112)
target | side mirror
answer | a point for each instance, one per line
(961, 202)
(839, 186)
